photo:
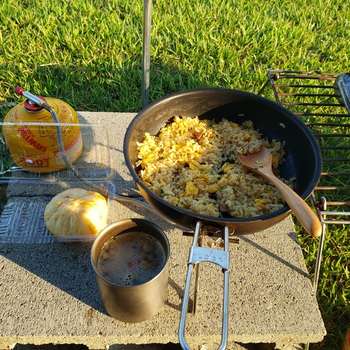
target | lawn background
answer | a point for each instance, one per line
(89, 53)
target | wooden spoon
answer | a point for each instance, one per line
(261, 163)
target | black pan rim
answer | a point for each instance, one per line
(221, 220)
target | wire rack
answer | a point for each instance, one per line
(314, 97)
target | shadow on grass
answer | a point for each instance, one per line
(110, 88)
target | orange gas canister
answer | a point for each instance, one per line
(31, 136)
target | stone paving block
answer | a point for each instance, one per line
(49, 293)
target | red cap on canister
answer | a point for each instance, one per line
(19, 90)
(30, 106)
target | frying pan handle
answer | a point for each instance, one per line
(219, 257)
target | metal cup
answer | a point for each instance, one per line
(138, 288)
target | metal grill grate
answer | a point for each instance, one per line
(314, 97)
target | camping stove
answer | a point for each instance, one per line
(320, 100)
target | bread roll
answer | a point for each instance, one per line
(76, 212)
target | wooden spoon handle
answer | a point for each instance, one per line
(305, 215)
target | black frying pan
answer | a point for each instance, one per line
(302, 159)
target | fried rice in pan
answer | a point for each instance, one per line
(192, 163)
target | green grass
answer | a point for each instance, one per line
(333, 289)
(89, 53)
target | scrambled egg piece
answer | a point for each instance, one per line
(191, 189)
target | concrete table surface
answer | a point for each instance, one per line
(48, 292)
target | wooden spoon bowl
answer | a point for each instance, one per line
(261, 163)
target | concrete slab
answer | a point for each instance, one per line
(49, 294)
(169, 346)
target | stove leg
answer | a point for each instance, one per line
(319, 251)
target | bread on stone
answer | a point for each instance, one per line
(76, 212)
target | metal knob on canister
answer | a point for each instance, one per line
(31, 136)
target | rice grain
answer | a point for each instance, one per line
(192, 163)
